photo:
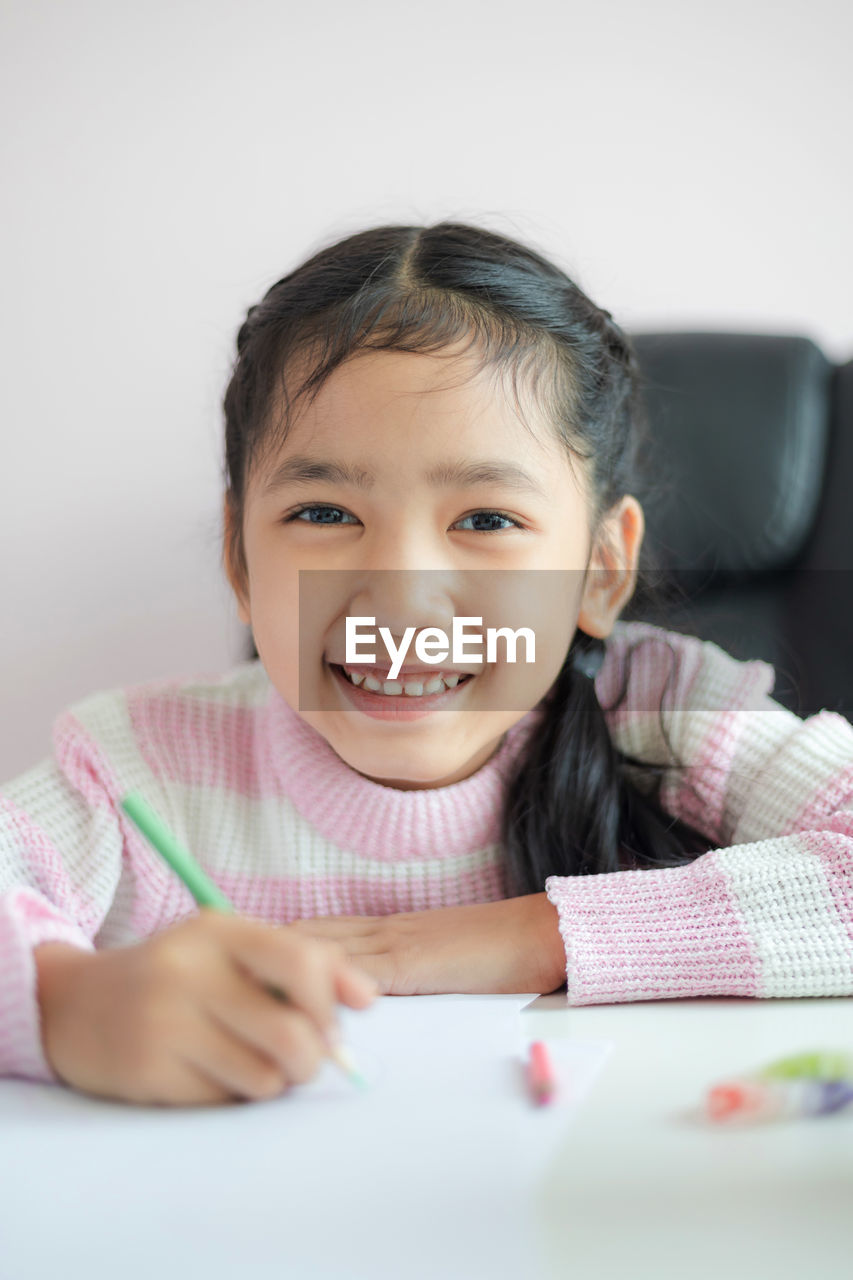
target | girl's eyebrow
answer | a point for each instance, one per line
(301, 469)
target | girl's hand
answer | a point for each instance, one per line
(512, 945)
(184, 1017)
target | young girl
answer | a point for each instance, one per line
(431, 399)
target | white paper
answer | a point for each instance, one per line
(427, 1172)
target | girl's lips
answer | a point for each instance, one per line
(401, 706)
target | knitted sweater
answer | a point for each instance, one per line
(289, 830)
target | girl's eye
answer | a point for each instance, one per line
(327, 515)
(330, 515)
(491, 517)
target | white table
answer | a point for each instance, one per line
(639, 1189)
(635, 1187)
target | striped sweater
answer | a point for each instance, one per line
(288, 830)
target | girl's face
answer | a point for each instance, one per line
(407, 462)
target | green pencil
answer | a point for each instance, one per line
(205, 891)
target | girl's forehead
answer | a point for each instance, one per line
(383, 395)
(425, 380)
(431, 409)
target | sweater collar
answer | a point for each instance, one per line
(382, 822)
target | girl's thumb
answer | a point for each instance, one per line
(355, 987)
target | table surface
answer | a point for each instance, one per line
(640, 1188)
(636, 1185)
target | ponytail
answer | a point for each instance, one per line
(572, 807)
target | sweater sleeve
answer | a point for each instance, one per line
(62, 858)
(769, 912)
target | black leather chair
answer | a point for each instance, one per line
(751, 532)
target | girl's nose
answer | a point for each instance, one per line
(404, 546)
(407, 578)
(402, 598)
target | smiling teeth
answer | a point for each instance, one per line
(412, 688)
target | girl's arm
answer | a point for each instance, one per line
(767, 913)
(45, 896)
(61, 861)
(185, 1015)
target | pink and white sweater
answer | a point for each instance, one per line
(288, 830)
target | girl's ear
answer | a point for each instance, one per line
(612, 575)
(229, 558)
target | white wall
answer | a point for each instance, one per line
(163, 163)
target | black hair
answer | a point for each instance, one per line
(575, 803)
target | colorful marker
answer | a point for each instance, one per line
(206, 893)
(541, 1079)
(748, 1100)
(825, 1064)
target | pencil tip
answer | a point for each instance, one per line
(343, 1057)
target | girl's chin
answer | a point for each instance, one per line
(387, 774)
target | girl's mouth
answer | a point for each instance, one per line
(409, 697)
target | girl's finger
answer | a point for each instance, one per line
(335, 927)
(357, 986)
(234, 1066)
(189, 1086)
(275, 1028)
(369, 944)
(301, 967)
